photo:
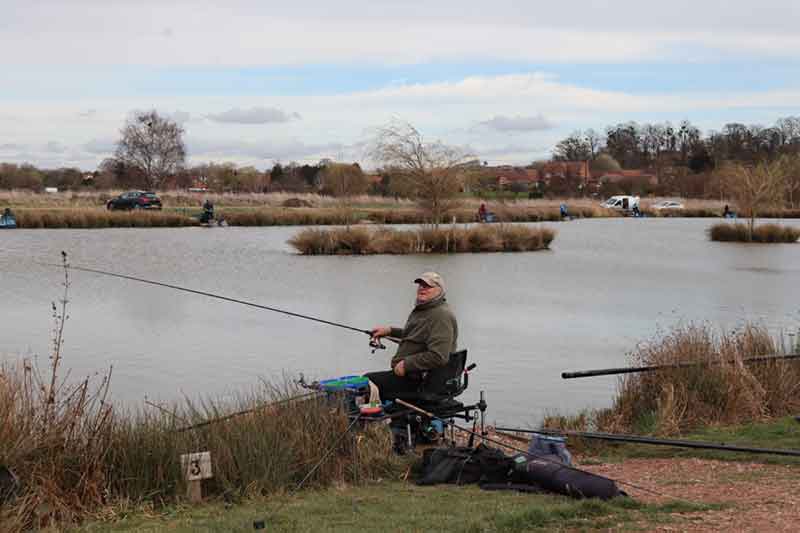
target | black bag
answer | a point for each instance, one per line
(491, 469)
(547, 472)
(463, 465)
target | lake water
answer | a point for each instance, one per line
(605, 286)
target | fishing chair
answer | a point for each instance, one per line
(442, 385)
(437, 395)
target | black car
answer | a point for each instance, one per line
(135, 200)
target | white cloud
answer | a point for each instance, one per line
(255, 115)
(55, 147)
(518, 123)
(180, 117)
(333, 125)
(203, 149)
(103, 147)
(528, 90)
(246, 32)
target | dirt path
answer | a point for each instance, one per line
(758, 497)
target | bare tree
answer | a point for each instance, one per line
(792, 177)
(594, 141)
(430, 172)
(153, 145)
(756, 187)
(575, 147)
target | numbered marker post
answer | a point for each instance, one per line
(196, 467)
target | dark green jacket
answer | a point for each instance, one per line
(429, 337)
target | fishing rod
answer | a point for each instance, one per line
(618, 437)
(374, 343)
(635, 369)
(219, 419)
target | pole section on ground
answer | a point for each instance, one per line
(635, 439)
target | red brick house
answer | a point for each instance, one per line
(565, 169)
(635, 176)
(508, 177)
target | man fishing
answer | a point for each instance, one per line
(208, 212)
(427, 340)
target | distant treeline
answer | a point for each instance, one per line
(226, 177)
(651, 146)
(680, 158)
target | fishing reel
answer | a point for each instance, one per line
(376, 344)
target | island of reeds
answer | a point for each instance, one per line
(764, 233)
(441, 240)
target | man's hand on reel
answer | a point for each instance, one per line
(378, 332)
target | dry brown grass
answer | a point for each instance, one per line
(764, 233)
(86, 210)
(54, 435)
(18, 199)
(99, 218)
(719, 389)
(445, 239)
(85, 217)
(74, 452)
(55, 443)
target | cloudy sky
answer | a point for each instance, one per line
(256, 82)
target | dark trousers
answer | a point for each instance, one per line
(392, 386)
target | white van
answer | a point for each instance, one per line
(622, 203)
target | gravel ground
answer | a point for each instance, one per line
(758, 497)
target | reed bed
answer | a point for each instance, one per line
(301, 216)
(270, 216)
(715, 212)
(267, 450)
(83, 218)
(719, 389)
(764, 233)
(579, 207)
(78, 454)
(177, 198)
(686, 212)
(451, 239)
(283, 209)
(406, 215)
(55, 438)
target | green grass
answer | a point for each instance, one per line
(396, 506)
(401, 507)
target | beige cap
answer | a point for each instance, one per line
(431, 278)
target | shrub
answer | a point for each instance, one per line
(764, 233)
(714, 386)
